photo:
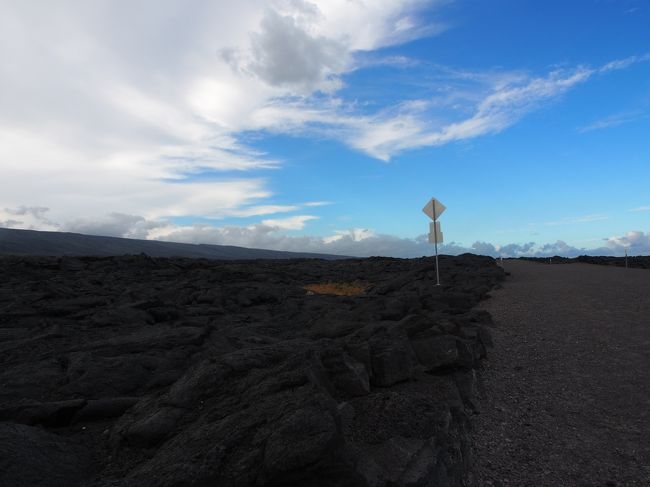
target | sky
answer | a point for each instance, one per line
(326, 126)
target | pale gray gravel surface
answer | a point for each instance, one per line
(565, 396)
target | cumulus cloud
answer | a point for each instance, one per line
(115, 225)
(270, 234)
(31, 218)
(37, 212)
(284, 54)
(271, 237)
(354, 234)
(636, 242)
(366, 243)
(561, 248)
(9, 223)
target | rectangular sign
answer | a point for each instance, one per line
(432, 238)
(434, 231)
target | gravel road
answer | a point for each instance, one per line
(565, 397)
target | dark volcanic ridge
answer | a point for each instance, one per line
(637, 261)
(37, 243)
(141, 371)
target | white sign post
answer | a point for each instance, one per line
(433, 209)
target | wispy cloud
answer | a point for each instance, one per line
(613, 121)
(365, 60)
(573, 220)
(494, 101)
(619, 64)
(318, 203)
(570, 220)
(640, 208)
(499, 109)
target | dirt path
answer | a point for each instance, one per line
(566, 398)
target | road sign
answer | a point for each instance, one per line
(433, 209)
(435, 234)
(432, 238)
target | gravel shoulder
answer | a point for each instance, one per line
(565, 397)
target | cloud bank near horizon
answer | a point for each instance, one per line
(270, 235)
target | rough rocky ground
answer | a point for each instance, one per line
(139, 371)
(566, 390)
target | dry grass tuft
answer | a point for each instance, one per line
(337, 288)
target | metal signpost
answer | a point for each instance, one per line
(433, 209)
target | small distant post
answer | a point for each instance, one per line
(626, 258)
(433, 209)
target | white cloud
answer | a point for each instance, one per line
(317, 203)
(500, 108)
(353, 234)
(577, 219)
(269, 234)
(36, 212)
(366, 243)
(262, 210)
(495, 102)
(115, 225)
(351, 242)
(27, 217)
(640, 208)
(142, 109)
(613, 121)
(296, 222)
(637, 242)
(285, 54)
(110, 104)
(620, 64)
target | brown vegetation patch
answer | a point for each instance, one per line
(337, 288)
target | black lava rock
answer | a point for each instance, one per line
(142, 371)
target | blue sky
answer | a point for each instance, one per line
(326, 126)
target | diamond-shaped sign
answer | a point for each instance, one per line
(433, 209)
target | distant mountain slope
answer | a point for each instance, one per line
(31, 242)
